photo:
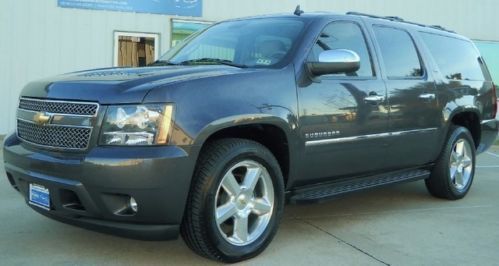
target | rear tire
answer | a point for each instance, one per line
(236, 201)
(453, 173)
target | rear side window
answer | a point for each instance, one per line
(344, 35)
(457, 59)
(399, 53)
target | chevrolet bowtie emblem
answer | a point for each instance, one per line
(41, 118)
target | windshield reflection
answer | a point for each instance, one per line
(264, 42)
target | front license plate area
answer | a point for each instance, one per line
(39, 196)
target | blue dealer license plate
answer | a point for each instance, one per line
(39, 196)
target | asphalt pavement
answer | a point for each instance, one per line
(397, 225)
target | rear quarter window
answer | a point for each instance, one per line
(456, 58)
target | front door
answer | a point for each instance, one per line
(343, 117)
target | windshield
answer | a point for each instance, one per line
(245, 43)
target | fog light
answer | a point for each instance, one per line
(133, 205)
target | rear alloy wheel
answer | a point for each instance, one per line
(453, 173)
(236, 201)
(461, 164)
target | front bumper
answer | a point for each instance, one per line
(489, 131)
(91, 190)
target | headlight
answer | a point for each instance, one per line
(148, 124)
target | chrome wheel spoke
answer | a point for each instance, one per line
(466, 162)
(453, 171)
(454, 158)
(460, 148)
(241, 228)
(226, 211)
(458, 179)
(261, 207)
(230, 185)
(251, 178)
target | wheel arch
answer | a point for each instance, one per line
(272, 132)
(470, 119)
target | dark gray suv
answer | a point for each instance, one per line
(215, 137)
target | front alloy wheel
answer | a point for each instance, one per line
(236, 201)
(244, 203)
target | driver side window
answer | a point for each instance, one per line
(344, 35)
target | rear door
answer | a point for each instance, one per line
(412, 101)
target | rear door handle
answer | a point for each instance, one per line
(374, 99)
(427, 96)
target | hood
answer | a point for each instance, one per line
(120, 85)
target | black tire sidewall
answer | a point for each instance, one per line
(247, 152)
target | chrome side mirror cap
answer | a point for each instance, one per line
(335, 62)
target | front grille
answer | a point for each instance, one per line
(59, 107)
(67, 126)
(54, 136)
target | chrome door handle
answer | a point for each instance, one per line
(427, 96)
(374, 99)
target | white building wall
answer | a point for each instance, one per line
(40, 39)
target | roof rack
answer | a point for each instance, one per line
(399, 19)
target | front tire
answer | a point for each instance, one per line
(236, 201)
(453, 173)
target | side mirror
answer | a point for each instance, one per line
(334, 62)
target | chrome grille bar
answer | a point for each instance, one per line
(59, 107)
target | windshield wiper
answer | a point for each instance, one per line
(162, 63)
(212, 61)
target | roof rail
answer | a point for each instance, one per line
(438, 27)
(394, 18)
(399, 19)
(362, 14)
